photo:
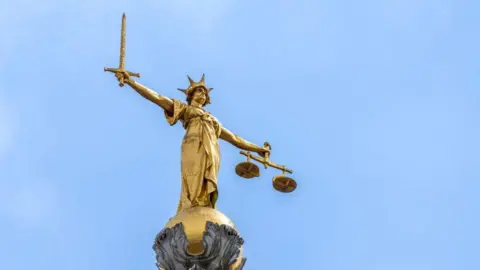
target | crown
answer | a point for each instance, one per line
(194, 84)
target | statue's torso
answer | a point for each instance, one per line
(197, 121)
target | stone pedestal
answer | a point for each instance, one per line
(199, 238)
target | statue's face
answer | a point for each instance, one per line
(200, 95)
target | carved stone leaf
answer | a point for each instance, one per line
(222, 245)
(171, 243)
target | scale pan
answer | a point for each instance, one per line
(247, 170)
(284, 184)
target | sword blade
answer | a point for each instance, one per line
(122, 42)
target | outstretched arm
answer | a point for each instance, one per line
(241, 143)
(164, 102)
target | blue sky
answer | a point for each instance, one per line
(374, 105)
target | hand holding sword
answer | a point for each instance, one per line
(121, 73)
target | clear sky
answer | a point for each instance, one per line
(374, 104)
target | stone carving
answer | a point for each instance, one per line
(222, 246)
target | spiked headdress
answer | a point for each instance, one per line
(194, 84)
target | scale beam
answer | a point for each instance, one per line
(266, 162)
(248, 170)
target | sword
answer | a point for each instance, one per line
(121, 67)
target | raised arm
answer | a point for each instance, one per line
(164, 102)
(241, 143)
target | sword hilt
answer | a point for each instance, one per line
(121, 70)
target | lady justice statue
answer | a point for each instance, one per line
(199, 236)
(200, 153)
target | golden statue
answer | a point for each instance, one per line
(200, 153)
(200, 150)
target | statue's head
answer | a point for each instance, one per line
(199, 95)
(197, 91)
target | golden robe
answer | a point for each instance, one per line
(200, 155)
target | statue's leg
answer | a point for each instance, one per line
(203, 198)
(193, 170)
(184, 201)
